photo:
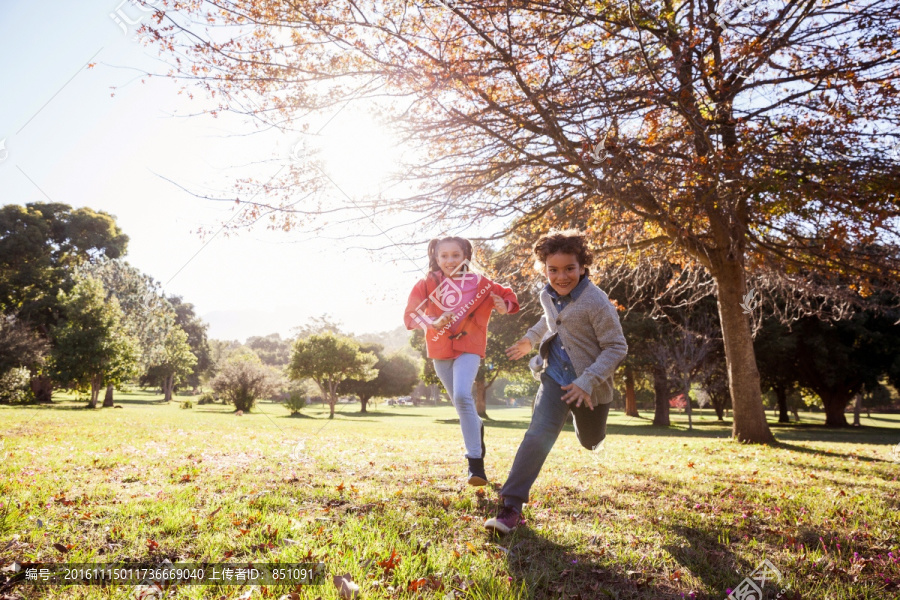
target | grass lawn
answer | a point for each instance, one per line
(658, 513)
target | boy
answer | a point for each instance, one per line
(580, 344)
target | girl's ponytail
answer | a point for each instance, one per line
(432, 255)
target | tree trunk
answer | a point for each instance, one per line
(749, 424)
(781, 394)
(686, 385)
(331, 403)
(661, 390)
(108, 399)
(168, 387)
(362, 403)
(42, 388)
(480, 400)
(857, 408)
(96, 384)
(834, 409)
(630, 401)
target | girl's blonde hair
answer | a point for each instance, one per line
(464, 244)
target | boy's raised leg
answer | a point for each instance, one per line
(590, 425)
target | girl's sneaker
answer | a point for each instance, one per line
(476, 472)
(506, 520)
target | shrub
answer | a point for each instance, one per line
(206, 398)
(243, 379)
(295, 402)
(187, 404)
(14, 386)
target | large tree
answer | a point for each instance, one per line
(174, 363)
(740, 138)
(40, 244)
(397, 376)
(147, 315)
(187, 319)
(330, 359)
(92, 346)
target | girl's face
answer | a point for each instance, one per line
(449, 256)
(563, 272)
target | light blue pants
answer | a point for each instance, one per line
(458, 377)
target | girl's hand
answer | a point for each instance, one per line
(577, 395)
(499, 304)
(442, 321)
(519, 349)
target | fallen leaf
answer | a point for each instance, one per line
(346, 588)
(391, 562)
(60, 547)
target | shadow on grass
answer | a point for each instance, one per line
(547, 569)
(784, 432)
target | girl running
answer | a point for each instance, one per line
(453, 305)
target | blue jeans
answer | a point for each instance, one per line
(550, 413)
(458, 376)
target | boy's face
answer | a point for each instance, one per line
(563, 272)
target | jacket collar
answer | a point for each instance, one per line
(579, 289)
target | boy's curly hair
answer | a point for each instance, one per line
(570, 241)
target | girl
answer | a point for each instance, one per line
(453, 305)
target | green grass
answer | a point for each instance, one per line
(659, 513)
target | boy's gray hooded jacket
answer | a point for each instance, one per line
(592, 336)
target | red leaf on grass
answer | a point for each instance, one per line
(152, 545)
(391, 562)
(60, 547)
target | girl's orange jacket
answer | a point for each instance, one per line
(472, 334)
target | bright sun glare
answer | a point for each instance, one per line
(357, 153)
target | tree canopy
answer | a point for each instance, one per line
(761, 142)
(330, 359)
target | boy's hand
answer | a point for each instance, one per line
(442, 321)
(499, 304)
(519, 349)
(577, 395)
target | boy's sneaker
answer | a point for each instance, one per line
(506, 520)
(476, 472)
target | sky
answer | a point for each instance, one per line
(80, 125)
